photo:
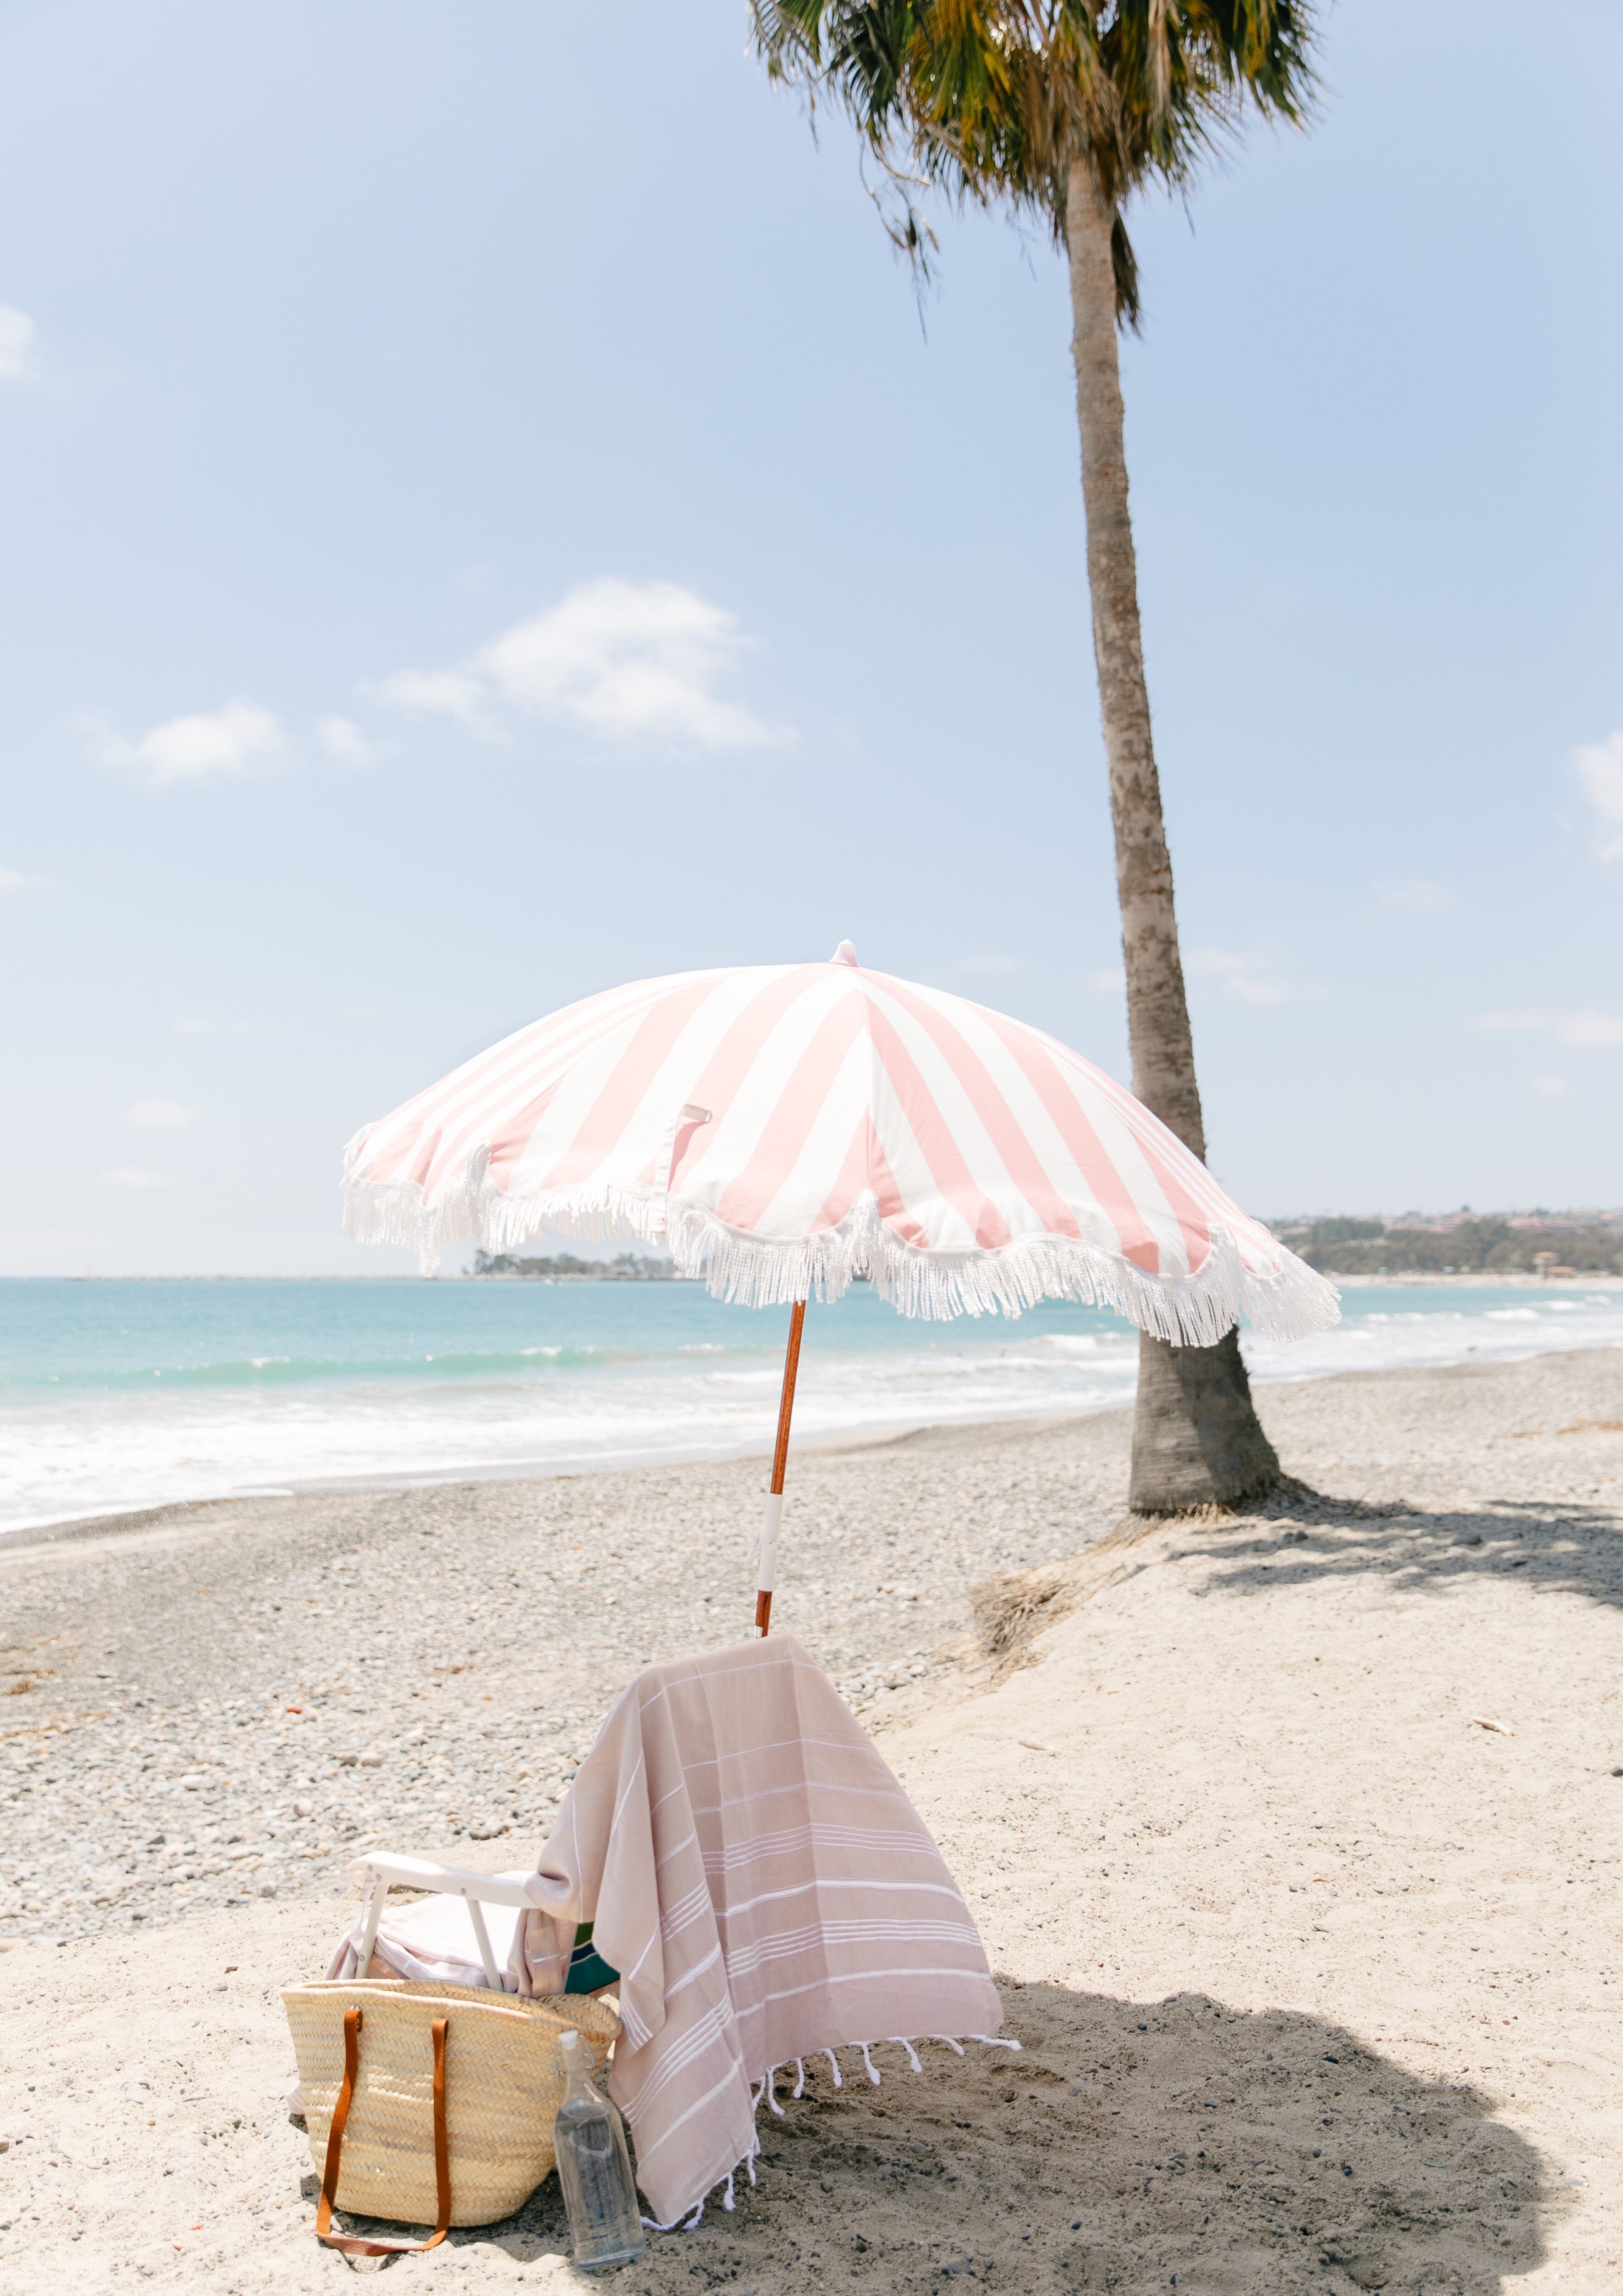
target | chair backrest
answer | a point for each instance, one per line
(442, 1881)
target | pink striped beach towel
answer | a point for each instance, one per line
(766, 1891)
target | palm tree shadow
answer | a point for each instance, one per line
(1300, 1536)
(1130, 2146)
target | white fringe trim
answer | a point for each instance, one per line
(755, 1271)
(686, 2218)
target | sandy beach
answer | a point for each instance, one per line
(1294, 1838)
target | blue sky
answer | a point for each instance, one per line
(485, 521)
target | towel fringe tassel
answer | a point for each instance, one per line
(685, 2221)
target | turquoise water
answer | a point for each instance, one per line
(119, 1394)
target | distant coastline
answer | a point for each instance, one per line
(1536, 1247)
(625, 1268)
(1471, 1279)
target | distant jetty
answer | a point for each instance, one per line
(626, 1268)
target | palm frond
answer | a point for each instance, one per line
(996, 100)
(1124, 264)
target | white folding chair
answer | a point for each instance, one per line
(476, 1890)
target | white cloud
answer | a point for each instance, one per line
(434, 694)
(630, 662)
(1109, 980)
(347, 746)
(1549, 1087)
(211, 744)
(634, 665)
(19, 881)
(160, 1115)
(1252, 979)
(1600, 769)
(18, 344)
(131, 1175)
(1590, 1027)
(1413, 897)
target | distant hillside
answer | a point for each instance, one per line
(626, 1268)
(1355, 1247)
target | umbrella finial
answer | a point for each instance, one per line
(844, 955)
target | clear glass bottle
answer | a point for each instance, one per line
(595, 2166)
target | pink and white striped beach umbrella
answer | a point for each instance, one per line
(783, 1128)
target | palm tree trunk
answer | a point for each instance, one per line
(1196, 1438)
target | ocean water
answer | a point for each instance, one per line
(117, 1395)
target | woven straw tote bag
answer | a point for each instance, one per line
(432, 2103)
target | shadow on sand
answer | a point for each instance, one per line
(1130, 2147)
(1566, 1545)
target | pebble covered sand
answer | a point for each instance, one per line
(227, 1701)
(1294, 1838)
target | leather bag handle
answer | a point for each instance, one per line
(350, 2244)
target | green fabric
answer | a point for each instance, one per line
(589, 1970)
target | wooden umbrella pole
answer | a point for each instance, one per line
(780, 1464)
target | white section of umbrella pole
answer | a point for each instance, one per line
(773, 1520)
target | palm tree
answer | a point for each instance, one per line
(1063, 109)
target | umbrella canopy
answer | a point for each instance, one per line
(784, 1129)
